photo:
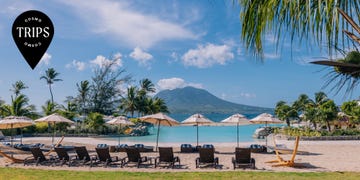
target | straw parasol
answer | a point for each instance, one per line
(266, 119)
(237, 119)
(120, 120)
(12, 122)
(197, 119)
(159, 119)
(53, 119)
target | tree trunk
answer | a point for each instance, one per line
(328, 125)
(288, 122)
(314, 123)
(52, 97)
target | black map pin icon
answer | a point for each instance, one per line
(32, 32)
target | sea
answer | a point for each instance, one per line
(187, 134)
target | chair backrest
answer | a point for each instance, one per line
(62, 153)
(133, 154)
(243, 155)
(37, 153)
(103, 153)
(206, 155)
(82, 153)
(166, 154)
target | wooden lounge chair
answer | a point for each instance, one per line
(133, 156)
(83, 155)
(104, 157)
(64, 157)
(166, 156)
(11, 158)
(280, 161)
(243, 158)
(206, 157)
(38, 157)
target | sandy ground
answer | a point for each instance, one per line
(321, 156)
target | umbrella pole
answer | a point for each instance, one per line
(237, 131)
(157, 138)
(119, 135)
(52, 140)
(197, 134)
(21, 135)
(12, 134)
(266, 134)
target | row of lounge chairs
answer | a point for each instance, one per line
(166, 158)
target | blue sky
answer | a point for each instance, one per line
(173, 43)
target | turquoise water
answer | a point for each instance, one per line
(187, 134)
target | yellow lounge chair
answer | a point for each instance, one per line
(280, 161)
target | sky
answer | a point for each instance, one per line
(174, 43)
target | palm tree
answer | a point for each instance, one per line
(285, 112)
(18, 107)
(303, 19)
(49, 108)
(130, 102)
(328, 112)
(94, 121)
(352, 110)
(147, 86)
(18, 87)
(50, 78)
(83, 90)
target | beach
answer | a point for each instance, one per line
(319, 156)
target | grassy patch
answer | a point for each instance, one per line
(22, 174)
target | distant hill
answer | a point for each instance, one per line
(192, 100)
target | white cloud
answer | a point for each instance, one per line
(143, 58)
(100, 61)
(207, 56)
(14, 7)
(80, 66)
(45, 59)
(121, 21)
(248, 95)
(173, 83)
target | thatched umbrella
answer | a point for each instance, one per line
(159, 119)
(237, 119)
(54, 118)
(197, 119)
(120, 120)
(12, 122)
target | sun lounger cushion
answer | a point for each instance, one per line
(101, 145)
(208, 146)
(139, 145)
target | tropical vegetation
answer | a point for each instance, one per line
(322, 114)
(96, 98)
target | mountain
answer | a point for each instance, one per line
(191, 100)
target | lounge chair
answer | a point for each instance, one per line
(186, 148)
(243, 158)
(83, 155)
(38, 157)
(104, 157)
(206, 157)
(64, 157)
(133, 156)
(280, 161)
(166, 156)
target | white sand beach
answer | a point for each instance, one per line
(321, 156)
